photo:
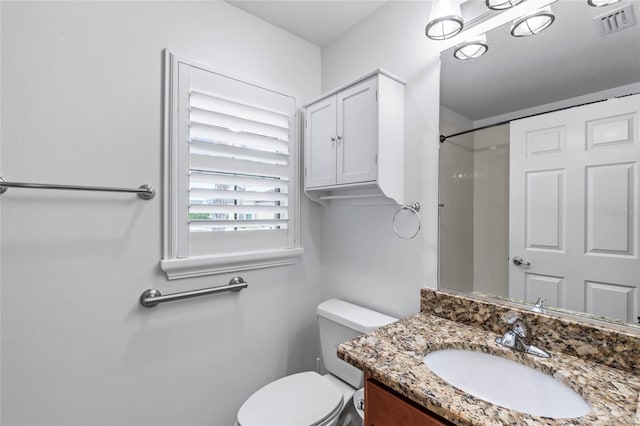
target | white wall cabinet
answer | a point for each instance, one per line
(342, 134)
(320, 144)
(354, 143)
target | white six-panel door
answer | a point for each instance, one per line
(574, 208)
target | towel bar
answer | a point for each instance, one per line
(146, 192)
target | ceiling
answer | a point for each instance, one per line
(567, 60)
(317, 21)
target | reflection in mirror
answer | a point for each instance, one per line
(546, 206)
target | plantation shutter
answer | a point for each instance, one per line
(240, 176)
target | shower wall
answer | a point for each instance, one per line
(474, 212)
(456, 204)
(491, 211)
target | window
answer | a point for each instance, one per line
(231, 170)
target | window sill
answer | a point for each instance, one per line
(198, 266)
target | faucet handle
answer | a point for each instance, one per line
(512, 318)
(540, 303)
(517, 325)
(520, 328)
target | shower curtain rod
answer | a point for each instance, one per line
(444, 138)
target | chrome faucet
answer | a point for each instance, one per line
(517, 338)
(539, 305)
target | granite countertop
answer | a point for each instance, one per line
(393, 356)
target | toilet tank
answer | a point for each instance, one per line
(340, 321)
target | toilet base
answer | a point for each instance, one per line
(349, 416)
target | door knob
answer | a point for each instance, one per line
(517, 260)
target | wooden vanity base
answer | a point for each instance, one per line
(384, 407)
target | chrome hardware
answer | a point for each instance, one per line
(151, 297)
(517, 338)
(333, 139)
(517, 260)
(3, 189)
(146, 192)
(539, 305)
(361, 404)
(339, 138)
(413, 208)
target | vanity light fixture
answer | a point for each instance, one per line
(445, 20)
(502, 4)
(533, 23)
(471, 49)
(601, 3)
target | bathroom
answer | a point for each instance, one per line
(77, 347)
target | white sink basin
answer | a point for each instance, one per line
(506, 383)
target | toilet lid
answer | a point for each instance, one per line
(300, 399)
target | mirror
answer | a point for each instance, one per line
(547, 206)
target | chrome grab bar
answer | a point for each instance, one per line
(146, 192)
(151, 297)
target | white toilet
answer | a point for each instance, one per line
(309, 399)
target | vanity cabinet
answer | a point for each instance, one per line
(384, 407)
(354, 141)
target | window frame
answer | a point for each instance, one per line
(174, 237)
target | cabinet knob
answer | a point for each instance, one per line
(339, 138)
(333, 139)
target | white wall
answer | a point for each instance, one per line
(81, 104)
(363, 261)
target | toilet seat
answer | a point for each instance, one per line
(303, 399)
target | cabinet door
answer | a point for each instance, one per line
(383, 407)
(320, 144)
(358, 133)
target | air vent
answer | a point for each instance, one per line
(614, 21)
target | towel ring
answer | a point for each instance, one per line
(414, 208)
